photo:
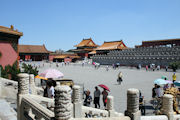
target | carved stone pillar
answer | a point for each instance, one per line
(167, 106)
(133, 104)
(77, 102)
(110, 106)
(23, 83)
(23, 88)
(32, 84)
(62, 99)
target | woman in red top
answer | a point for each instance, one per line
(105, 94)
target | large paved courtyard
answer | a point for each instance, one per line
(132, 78)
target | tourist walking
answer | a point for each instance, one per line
(166, 68)
(97, 94)
(107, 68)
(146, 67)
(158, 67)
(105, 94)
(88, 99)
(174, 77)
(119, 80)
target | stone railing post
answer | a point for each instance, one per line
(23, 88)
(133, 104)
(62, 110)
(0, 88)
(110, 106)
(167, 106)
(77, 102)
(32, 84)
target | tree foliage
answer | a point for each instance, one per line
(10, 72)
(174, 65)
(29, 69)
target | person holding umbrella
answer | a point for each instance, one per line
(105, 94)
(50, 89)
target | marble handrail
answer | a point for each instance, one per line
(4, 80)
(107, 118)
(43, 100)
(94, 112)
(37, 109)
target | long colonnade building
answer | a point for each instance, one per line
(160, 52)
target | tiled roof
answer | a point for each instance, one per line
(32, 49)
(92, 52)
(165, 40)
(67, 55)
(10, 30)
(86, 42)
(79, 50)
(113, 45)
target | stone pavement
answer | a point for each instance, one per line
(91, 77)
(6, 112)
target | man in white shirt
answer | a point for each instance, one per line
(50, 89)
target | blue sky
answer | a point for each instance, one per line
(61, 24)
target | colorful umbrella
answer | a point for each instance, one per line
(104, 86)
(164, 77)
(160, 82)
(177, 83)
(169, 82)
(51, 73)
(40, 77)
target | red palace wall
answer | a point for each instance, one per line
(8, 54)
(51, 57)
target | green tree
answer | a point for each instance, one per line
(14, 71)
(10, 71)
(5, 71)
(29, 69)
(174, 65)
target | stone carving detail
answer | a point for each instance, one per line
(133, 104)
(110, 104)
(132, 100)
(23, 83)
(32, 84)
(76, 94)
(167, 103)
(62, 108)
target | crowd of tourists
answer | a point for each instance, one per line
(96, 101)
(49, 85)
(169, 88)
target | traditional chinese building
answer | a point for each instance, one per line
(166, 42)
(84, 47)
(33, 52)
(65, 57)
(150, 52)
(109, 46)
(9, 38)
